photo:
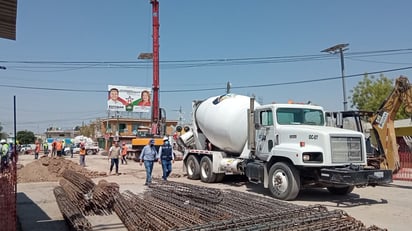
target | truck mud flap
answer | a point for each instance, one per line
(356, 177)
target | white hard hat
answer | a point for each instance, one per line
(2, 141)
(165, 138)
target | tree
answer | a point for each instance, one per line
(88, 130)
(371, 92)
(25, 137)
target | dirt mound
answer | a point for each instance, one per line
(51, 169)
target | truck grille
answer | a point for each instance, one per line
(346, 149)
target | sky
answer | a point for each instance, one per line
(66, 53)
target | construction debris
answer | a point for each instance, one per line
(51, 169)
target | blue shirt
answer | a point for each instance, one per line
(148, 153)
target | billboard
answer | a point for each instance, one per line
(128, 98)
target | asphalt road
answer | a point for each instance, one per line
(384, 206)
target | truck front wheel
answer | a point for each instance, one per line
(206, 170)
(284, 181)
(341, 190)
(193, 168)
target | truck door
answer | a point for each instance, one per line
(265, 134)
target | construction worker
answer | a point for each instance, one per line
(46, 148)
(37, 150)
(59, 148)
(124, 153)
(54, 144)
(114, 154)
(148, 156)
(4, 152)
(82, 154)
(166, 157)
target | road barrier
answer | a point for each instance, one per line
(8, 194)
(405, 173)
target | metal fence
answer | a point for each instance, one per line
(8, 194)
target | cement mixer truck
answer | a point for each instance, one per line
(285, 147)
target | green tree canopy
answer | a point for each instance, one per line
(371, 92)
(25, 137)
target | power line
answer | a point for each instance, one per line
(212, 89)
(173, 64)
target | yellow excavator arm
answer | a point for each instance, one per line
(383, 121)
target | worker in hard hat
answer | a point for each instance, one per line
(166, 157)
(4, 153)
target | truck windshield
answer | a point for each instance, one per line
(300, 116)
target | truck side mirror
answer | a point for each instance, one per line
(257, 126)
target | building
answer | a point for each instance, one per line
(61, 134)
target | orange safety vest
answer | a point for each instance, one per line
(82, 151)
(124, 150)
(59, 146)
(37, 150)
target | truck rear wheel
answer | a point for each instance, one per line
(206, 170)
(193, 168)
(284, 181)
(89, 152)
(341, 190)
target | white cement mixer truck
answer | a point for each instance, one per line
(285, 147)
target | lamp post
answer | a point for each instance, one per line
(333, 50)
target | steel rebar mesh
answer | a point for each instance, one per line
(177, 206)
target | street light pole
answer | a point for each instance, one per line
(333, 50)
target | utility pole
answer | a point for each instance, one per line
(180, 111)
(333, 50)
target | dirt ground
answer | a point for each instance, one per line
(384, 206)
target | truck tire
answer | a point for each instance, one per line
(206, 168)
(284, 181)
(89, 152)
(193, 168)
(341, 190)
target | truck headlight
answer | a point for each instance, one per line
(312, 157)
(306, 157)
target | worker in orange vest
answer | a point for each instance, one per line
(124, 153)
(54, 148)
(59, 147)
(37, 150)
(82, 155)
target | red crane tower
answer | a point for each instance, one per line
(155, 106)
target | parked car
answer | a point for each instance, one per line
(26, 149)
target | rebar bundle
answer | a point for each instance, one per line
(90, 198)
(71, 214)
